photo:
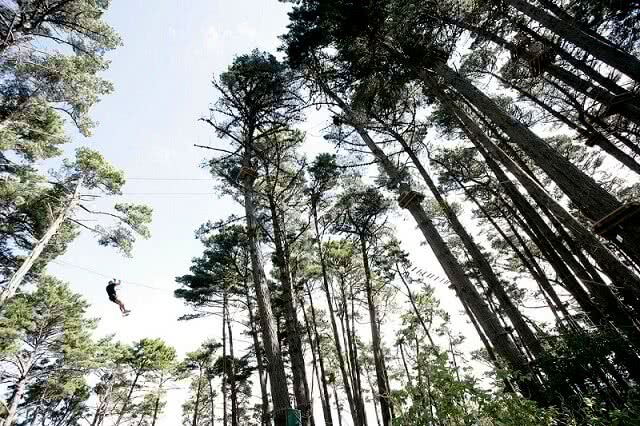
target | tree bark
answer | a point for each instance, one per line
(275, 368)
(14, 401)
(125, 404)
(18, 276)
(232, 376)
(224, 382)
(611, 266)
(323, 374)
(386, 406)
(300, 384)
(261, 370)
(156, 405)
(196, 407)
(479, 259)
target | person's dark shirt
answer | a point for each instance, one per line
(111, 290)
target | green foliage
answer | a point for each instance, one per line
(45, 344)
(359, 209)
(94, 170)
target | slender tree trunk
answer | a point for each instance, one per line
(23, 270)
(611, 266)
(588, 241)
(261, 373)
(404, 364)
(275, 368)
(336, 337)
(386, 406)
(125, 404)
(588, 132)
(323, 374)
(597, 48)
(156, 405)
(416, 311)
(212, 403)
(300, 384)
(525, 256)
(338, 408)
(225, 381)
(590, 197)
(232, 376)
(478, 258)
(14, 401)
(464, 288)
(196, 407)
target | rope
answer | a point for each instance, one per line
(91, 271)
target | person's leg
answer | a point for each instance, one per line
(122, 308)
(119, 303)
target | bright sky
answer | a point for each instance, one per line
(147, 128)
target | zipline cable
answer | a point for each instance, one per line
(67, 264)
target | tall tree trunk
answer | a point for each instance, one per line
(14, 401)
(591, 198)
(611, 266)
(323, 374)
(332, 317)
(212, 404)
(261, 373)
(225, 381)
(544, 236)
(275, 366)
(156, 405)
(386, 406)
(232, 375)
(196, 407)
(479, 258)
(597, 48)
(23, 270)
(300, 384)
(338, 408)
(588, 132)
(352, 352)
(125, 404)
(464, 288)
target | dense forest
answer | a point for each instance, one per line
(506, 132)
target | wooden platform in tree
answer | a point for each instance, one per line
(616, 103)
(406, 198)
(247, 172)
(624, 215)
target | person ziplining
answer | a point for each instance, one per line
(111, 291)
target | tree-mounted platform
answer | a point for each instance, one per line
(616, 104)
(539, 60)
(247, 172)
(610, 225)
(409, 197)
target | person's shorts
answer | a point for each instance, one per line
(114, 299)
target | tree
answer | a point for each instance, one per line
(34, 75)
(146, 357)
(361, 213)
(45, 337)
(257, 101)
(89, 171)
(201, 362)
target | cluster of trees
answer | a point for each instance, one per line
(52, 370)
(508, 131)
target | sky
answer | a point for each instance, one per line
(147, 128)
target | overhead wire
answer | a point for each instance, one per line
(67, 264)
